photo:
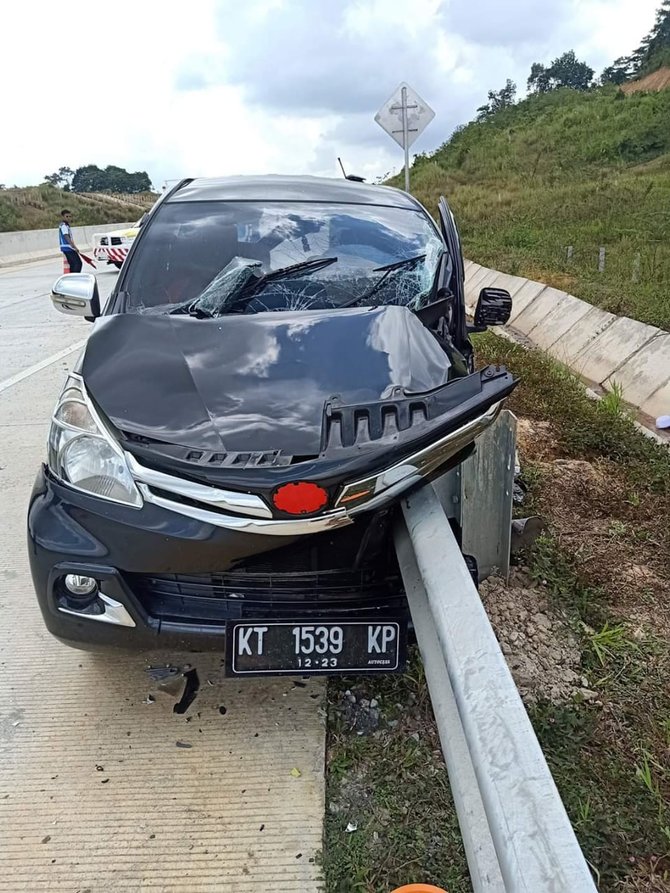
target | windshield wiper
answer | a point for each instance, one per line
(387, 270)
(240, 294)
(304, 266)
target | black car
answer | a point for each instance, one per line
(281, 360)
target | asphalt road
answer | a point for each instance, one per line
(95, 794)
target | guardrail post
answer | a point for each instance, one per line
(478, 494)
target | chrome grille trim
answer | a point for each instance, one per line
(297, 527)
(226, 500)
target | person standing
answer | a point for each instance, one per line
(66, 242)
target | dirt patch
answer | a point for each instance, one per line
(541, 650)
(536, 439)
(619, 541)
(657, 80)
(648, 877)
(617, 534)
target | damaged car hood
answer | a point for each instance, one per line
(256, 382)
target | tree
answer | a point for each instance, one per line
(618, 72)
(61, 179)
(565, 71)
(90, 178)
(66, 174)
(498, 100)
(652, 54)
(538, 79)
(654, 50)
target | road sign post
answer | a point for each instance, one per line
(404, 117)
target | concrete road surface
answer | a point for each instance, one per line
(95, 794)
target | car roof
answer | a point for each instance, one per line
(284, 188)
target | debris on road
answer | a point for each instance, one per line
(180, 684)
(525, 531)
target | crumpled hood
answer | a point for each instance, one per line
(255, 382)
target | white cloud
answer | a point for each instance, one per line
(217, 87)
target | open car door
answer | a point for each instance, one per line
(456, 282)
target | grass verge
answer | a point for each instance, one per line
(386, 779)
(39, 207)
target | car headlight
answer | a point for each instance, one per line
(84, 454)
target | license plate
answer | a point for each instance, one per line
(272, 648)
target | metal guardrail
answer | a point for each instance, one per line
(517, 835)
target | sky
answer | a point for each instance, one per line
(218, 87)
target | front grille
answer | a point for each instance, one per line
(320, 575)
(219, 597)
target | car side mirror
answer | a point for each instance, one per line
(494, 308)
(76, 294)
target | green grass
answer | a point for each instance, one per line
(391, 784)
(609, 760)
(39, 207)
(583, 428)
(566, 169)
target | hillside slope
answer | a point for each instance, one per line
(39, 207)
(657, 80)
(566, 168)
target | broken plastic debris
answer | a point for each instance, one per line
(179, 683)
(663, 421)
(351, 827)
(296, 773)
(525, 531)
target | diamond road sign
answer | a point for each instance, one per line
(390, 116)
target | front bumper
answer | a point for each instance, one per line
(169, 581)
(111, 253)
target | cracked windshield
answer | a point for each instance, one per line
(211, 258)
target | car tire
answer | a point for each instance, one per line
(118, 264)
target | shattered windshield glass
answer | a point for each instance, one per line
(212, 258)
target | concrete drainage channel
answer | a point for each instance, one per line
(606, 350)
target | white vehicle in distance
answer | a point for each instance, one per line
(113, 247)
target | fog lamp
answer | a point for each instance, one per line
(80, 586)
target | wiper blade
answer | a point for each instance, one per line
(305, 266)
(387, 270)
(399, 264)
